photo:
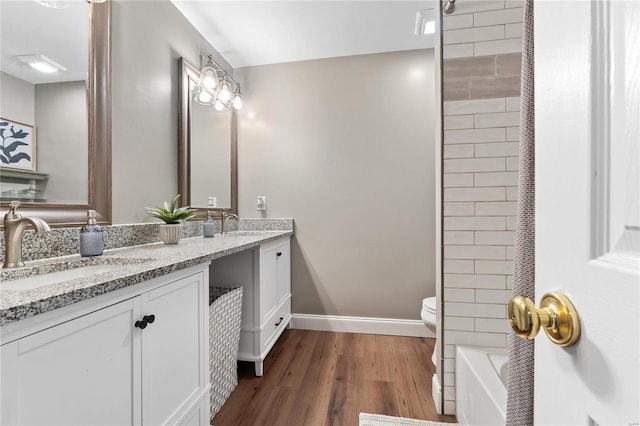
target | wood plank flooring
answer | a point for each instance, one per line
(323, 378)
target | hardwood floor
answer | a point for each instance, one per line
(322, 378)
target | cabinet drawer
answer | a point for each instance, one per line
(275, 324)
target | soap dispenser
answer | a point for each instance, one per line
(91, 242)
(208, 227)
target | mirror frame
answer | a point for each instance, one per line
(99, 136)
(187, 72)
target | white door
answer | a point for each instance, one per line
(587, 216)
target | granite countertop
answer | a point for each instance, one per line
(133, 265)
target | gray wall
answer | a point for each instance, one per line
(62, 135)
(16, 100)
(345, 146)
(148, 37)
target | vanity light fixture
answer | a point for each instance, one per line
(215, 87)
(41, 63)
(209, 75)
(237, 98)
(225, 92)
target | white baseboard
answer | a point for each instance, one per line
(363, 325)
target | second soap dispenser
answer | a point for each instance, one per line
(208, 227)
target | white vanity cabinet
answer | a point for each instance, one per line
(265, 274)
(134, 356)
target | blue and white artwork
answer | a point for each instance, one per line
(18, 145)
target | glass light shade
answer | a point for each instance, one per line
(225, 93)
(219, 106)
(202, 97)
(237, 102)
(208, 78)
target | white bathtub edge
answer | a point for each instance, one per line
(476, 375)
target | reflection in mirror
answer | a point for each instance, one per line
(208, 150)
(70, 167)
(44, 88)
(210, 155)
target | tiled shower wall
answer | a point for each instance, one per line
(482, 49)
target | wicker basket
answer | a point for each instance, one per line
(225, 313)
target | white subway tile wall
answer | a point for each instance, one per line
(480, 166)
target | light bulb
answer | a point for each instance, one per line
(209, 78)
(219, 106)
(237, 102)
(225, 93)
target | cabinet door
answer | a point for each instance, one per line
(268, 282)
(283, 271)
(77, 373)
(173, 351)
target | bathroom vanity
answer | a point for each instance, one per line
(265, 274)
(129, 344)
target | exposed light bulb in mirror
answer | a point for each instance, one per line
(225, 92)
(204, 97)
(237, 102)
(237, 98)
(219, 106)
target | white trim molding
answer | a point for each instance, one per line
(362, 325)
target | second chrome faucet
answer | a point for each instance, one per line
(225, 217)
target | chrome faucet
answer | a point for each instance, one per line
(14, 226)
(225, 217)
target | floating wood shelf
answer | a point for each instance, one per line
(22, 174)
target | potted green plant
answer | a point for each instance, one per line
(173, 217)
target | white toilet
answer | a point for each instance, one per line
(428, 314)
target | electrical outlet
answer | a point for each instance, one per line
(212, 202)
(262, 203)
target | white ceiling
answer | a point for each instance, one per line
(62, 35)
(248, 33)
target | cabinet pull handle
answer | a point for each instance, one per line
(149, 318)
(279, 254)
(141, 324)
(279, 322)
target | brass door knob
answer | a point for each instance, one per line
(556, 315)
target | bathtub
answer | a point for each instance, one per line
(481, 385)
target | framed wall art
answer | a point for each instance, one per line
(18, 145)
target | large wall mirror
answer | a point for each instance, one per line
(208, 172)
(55, 109)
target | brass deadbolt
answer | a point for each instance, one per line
(556, 315)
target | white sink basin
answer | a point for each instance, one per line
(37, 281)
(72, 271)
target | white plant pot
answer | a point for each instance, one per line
(171, 233)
